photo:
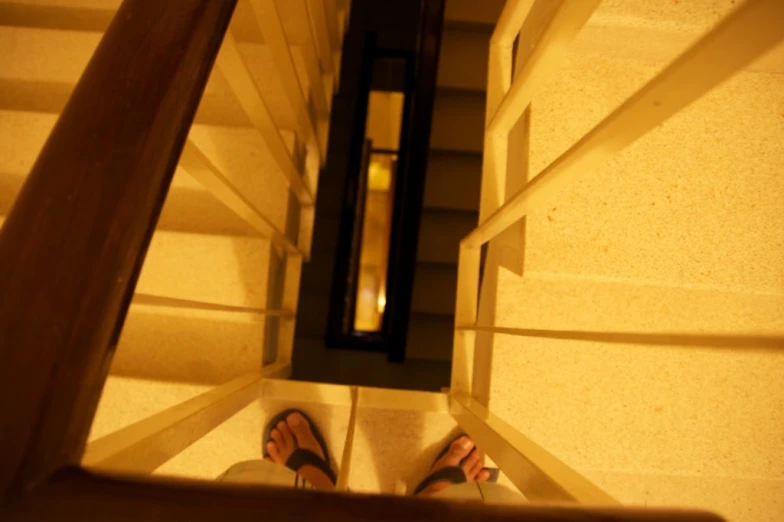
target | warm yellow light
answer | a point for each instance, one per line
(379, 174)
(382, 303)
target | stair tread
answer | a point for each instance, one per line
(430, 337)
(126, 400)
(453, 181)
(458, 120)
(60, 57)
(189, 206)
(394, 448)
(650, 244)
(213, 269)
(397, 433)
(471, 11)
(440, 234)
(191, 345)
(435, 287)
(239, 438)
(462, 62)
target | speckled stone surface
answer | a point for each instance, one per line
(737, 499)
(393, 449)
(212, 269)
(189, 206)
(695, 202)
(681, 232)
(127, 400)
(188, 345)
(395, 445)
(574, 302)
(240, 438)
(259, 61)
(242, 157)
(642, 408)
(236, 440)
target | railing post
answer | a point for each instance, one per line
(73, 244)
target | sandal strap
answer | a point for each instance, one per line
(451, 474)
(304, 457)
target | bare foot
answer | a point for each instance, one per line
(462, 448)
(282, 445)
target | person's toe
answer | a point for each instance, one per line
(459, 450)
(277, 436)
(470, 462)
(301, 428)
(274, 452)
(473, 473)
(285, 431)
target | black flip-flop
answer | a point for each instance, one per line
(451, 474)
(301, 457)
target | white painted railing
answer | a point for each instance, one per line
(544, 30)
(147, 444)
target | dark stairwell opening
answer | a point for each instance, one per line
(387, 319)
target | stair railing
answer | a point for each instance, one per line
(543, 30)
(73, 244)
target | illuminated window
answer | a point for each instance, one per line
(382, 138)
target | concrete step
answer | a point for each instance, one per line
(239, 438)
(40, 66)
(188, 344)
(394, 446)
(396, 437)
(458, 121)
(128, 400)
(435, 287)
(462, 63)
(648, 245)
(470, 12)
(241, 155)
(453, 180)
(224, 270)
(212, 272)
(317, 280)
(430, 337)
(637, 29)
(189, 206)
(440, 234)
(312, 315)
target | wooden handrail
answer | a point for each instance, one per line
(73, 244)
(76, 495)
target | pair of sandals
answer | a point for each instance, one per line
(304, 457)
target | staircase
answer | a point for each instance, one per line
(624, 342)
(454, 171)
(680, 232)
(214, 299)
